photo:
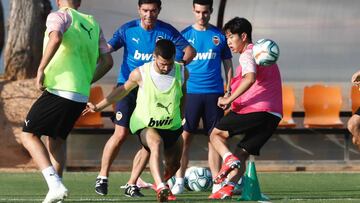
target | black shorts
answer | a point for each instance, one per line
(124, 108)
(202, 106)
(358, 111)
(52, 116)
(258, 127)
(169, 137)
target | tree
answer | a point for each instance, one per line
(2, 29)
(23, 49)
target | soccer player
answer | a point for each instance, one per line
(72, 46)
(256, 108)
(157, 118)
(354, 121)
(205, 84)
(138, 38)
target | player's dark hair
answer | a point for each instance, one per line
(238, 26)
(165, 48)
(204, 3)
(158, 2)
(75, 3)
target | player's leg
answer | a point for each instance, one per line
(354, 127)
(39, 154)
(140, 160)
(121, 119)
(173, 151)
(193, 113)
(139, 163)
(151, 139)
(231, 123)
(58, 124)
(173, 146)
(112, 148)
(57, 153)
(36, 149)
(212, 115)
(258, 128)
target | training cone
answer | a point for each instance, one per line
(251, 190)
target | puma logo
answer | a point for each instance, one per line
(164, 107)
(136, 40)
(27, 122)
(192, 41)
(87, 30)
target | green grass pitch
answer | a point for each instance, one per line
(279, 187)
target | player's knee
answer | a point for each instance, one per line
(353, 125)
(155, 145)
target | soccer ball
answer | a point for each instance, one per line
(187, 172)
(199, 179)
(266, 52)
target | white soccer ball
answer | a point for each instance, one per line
(266, 52)
(187, 172)
(199, 179)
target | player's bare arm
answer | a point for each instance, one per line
(228, 68)
(105, 63)
(247, 81)
(189, 54)
(55, 39)
(118, 93)
(183, 99)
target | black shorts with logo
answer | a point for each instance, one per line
(258, 127)
(53, 116)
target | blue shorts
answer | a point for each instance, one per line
(124, 108)
(202, 106)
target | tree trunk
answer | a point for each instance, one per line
(23, 49)
(2, 29)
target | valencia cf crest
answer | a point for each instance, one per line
(159, 38)
(216, 40)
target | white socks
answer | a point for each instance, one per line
(226, 155)
(102, 177)
(52, 178)
(179, 181)
(161, 185)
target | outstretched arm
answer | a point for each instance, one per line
(118, 93)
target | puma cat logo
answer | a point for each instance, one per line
(164, 107)
(87, 30)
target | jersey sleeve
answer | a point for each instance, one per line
(226, 52)
(179, 41)
(247, 62)
(58, 21)
(118, 39)
(179, 50)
